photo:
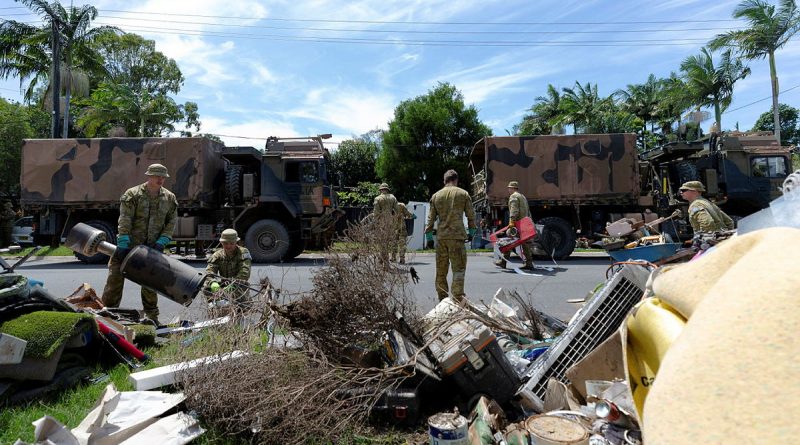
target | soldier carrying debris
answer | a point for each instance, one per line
(518, 209)
(401, 214)
(230, 261)
(704, 215)
(448, 206)
(147, 215)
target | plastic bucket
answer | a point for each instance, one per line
(448, 429)
(552, 430)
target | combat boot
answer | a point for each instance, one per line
(528, 265)
(501, 263)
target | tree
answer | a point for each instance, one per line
(710, 85)
(674, 99)
(132, 60)
(14, 127)
(544, 117)
(353, 162)
(429, 134)
(26, 52)
(769, 30)
(581, 106)
(642, 100)
(789, 117)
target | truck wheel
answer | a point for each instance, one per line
(297, 247)
(557, 238)
(268, 241)
(99, 258)
(233, 184)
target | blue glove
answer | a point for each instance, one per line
(413, 216)
(124, 241)
(161, 243)
(472, 232)
(428, 236)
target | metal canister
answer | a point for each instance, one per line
(553, 430)
(448, 429)
(170, 277)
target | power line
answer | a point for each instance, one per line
(761, 100)
(412, 31)
(456, 43)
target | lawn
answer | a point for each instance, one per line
(44, 251)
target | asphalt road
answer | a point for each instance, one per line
(547, 290)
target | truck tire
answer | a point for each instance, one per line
(233, 184)
(268, 241)
(557, 238)
(296, 248)
(111, 237)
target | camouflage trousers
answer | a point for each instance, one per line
(112, 293)
(399, 248)
(450, 254)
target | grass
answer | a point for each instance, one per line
(44, 251)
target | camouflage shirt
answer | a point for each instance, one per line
(144, 218)
(705, 216)
(401, 214)
(449, 205)
(236, 266)
(518, 207)
(384, 205)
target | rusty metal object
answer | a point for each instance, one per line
(87, 240)
(170, 277)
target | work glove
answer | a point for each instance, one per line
(214, 286)
(161, 243)
(472, 231)
(413, 216)
(511, 224)
(428, 236)
(124, 241)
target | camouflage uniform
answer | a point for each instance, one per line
(401, 214)
(518, 209)
(449, 205)
(705, 216)
(384, 205)
(6, 224)
(236, 266)
(145, 220)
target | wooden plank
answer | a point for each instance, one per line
(165, 375)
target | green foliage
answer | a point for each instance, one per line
(132, 60)
(429, 134)
(789, 118)
(359, 196)
(15, 125)
(353, 162)
(711, 85)
(544, 113)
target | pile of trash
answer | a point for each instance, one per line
(631, 238)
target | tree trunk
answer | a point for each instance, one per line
(773, 74)
(718, 114)
(67, 91)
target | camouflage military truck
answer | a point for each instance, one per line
(577, 183)
(568, 180)
(742, 172)
(278, 199)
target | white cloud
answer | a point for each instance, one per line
(349, 109)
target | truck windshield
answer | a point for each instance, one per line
(768, 167)
(305, 172)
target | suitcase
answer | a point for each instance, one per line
(467, 353)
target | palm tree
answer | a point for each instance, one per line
(25, 50)
(712, 86)
(674, 99)
(581, 106)
(769, 30)
(543, 115)
(642, 100)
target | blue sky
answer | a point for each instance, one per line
(296, 68)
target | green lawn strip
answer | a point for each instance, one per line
(45, 331)
(44, 251)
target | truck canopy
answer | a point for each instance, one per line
(587, 168)
(98, 171)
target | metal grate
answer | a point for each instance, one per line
(593, 324)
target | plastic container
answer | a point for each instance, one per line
(652, 253)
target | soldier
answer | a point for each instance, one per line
(231, 261)
(449, 205)
(704, 215)
(385, 203)
(6, 224)
(518, 209)
(147, 215)
(401, 214)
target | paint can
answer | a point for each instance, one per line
(448, 429)
(553, 430)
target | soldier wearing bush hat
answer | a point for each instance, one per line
(147, 215)
(517, 209)
(704, 215)
(231, 264)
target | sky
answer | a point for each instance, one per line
(260, 68)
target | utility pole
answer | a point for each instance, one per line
(55, 78)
